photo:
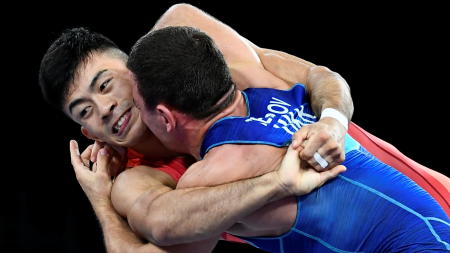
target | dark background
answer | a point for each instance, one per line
(393, 57)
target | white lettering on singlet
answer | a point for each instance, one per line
(289, 120)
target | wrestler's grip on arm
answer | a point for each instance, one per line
(300, 180)
(196, 210)
(326, 89)
(97, 184)
(118, 156)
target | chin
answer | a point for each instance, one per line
(136, 135)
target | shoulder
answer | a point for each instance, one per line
(143, 173)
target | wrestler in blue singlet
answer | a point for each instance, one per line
(369, 208)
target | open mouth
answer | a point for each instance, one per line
(121, 124)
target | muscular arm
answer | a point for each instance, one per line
(120, 239)
(147, 216)
(256, 67)
(97, 184)
(165, 216)
(327, 89)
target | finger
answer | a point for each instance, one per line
(315, 165)
(291, 157)
(103, 161)
(97, 146)
(332, 152)
(85, 155)
(315, 142)
(332, 173)
(299, 137)
(329, 147)
(335, 158)
(320, 160)
(94, 167)
(75, 158)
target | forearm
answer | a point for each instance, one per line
(192, 214)
(116, 232)
(119, 237)
(329, 90)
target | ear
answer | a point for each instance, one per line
(166, 117)
(88, 135)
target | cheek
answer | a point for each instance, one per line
(123, 90)
(95, 131)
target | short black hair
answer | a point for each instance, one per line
(60, 62)
(183, 68)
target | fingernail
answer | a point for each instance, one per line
(294, 143)
(103, 152)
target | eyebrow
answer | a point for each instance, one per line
(91, 88)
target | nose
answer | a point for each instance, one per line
(106, 107)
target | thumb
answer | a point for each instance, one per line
(291, 157)
(332, 173)
(103, 161)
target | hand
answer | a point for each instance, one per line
(96, 182)
(326, 137)
(299, 181)
(118, 157)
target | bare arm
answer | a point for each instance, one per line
(256, 67)
(327, 89)
(96, 183)
(249, 61)
(119, 238)
(239, 55)
(166, 217)
(184, 215)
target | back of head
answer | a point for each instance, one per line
(60, 62)
(181, 67)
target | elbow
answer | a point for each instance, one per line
(321, 71)
(151, 225)
(162, 233)
(318, 74)
(180, 9)
(176, 15)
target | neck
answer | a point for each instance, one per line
(195, 130)
(152, 148)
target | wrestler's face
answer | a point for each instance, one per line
(100, 99)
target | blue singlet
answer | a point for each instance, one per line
(369, 208)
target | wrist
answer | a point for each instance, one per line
(102, 205)
(335, 114)
(281, 189)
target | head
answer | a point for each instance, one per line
(178, 70)
(84, 74)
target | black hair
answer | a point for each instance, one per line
(60, 63)
(181, 67)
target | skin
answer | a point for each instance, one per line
(254, 160)
(104, 103)
(244, 64)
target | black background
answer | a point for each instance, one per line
(393, 57)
